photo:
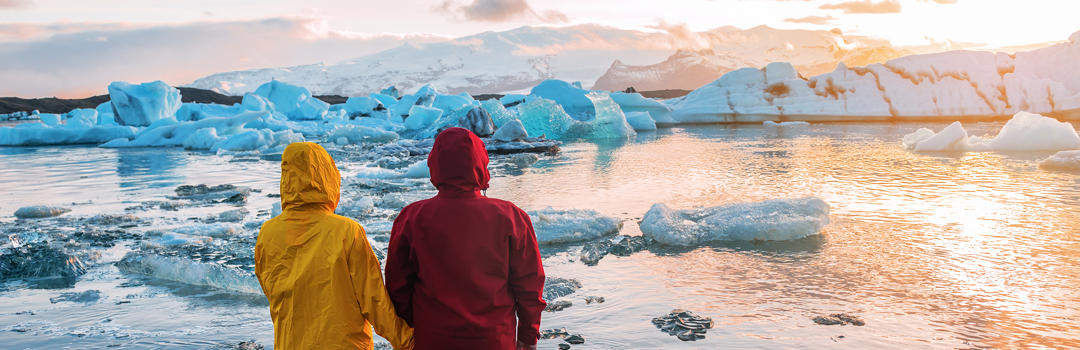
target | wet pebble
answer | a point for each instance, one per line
(683, 324)
(839, 319)
(575, 339)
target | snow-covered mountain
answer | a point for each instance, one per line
(811, 52)
(515, 60)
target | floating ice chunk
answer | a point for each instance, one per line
(190, 272)
(911, 140)
(253, 102)
(570, 97)
(49, 119)
(772, 123)
(143, 104)
(275, 210)
(418, 170)
(378, 227)
(609, 122)
(1024, 132)
(369, 107)
(511, 130)
(451, 102)
(235, 215)
(37, 134)
(82, 118)
(357, 206)
(421, 117)
(640, 121)
(1033, 132)
(544, 117)
(776, 219)
(216, 230)
(105, 114)
(169, 239)
(499, 114)
(478, 121)
(952, 138)
(312, 109)
(286, 98)
(634, 102)
(175, 135)
(203, 139)
(572, 225)
(359, 134)
(40, 211)
(1064, 160)
(256, 140)
(401, 199)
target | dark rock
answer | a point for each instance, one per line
(558, 306)
(840, 319)
(683, 324)
(575, 339)
(554, 333)
(630, 90)
(236, 198)
(557, 287)
(86, 297)
(478, 121)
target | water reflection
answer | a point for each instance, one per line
(149, 168)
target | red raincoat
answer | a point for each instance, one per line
(461, 267)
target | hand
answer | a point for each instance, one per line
(522, 346)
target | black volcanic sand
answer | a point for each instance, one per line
(10, 105)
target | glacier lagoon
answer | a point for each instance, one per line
(932, 250)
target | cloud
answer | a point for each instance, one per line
(818, 20)
(16, 4)
(501, 11)
(866, 6)
(81, 59)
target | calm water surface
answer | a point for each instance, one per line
(975, 250)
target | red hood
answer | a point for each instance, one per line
(458, 163)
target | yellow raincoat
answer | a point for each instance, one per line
(317, 269)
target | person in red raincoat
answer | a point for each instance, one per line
(462, 269)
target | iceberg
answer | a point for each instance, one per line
(572, 225)
(366, 107)
(953, 84)
(634, 102)
(190, 272)
(498, 113)
(610, 122)
(202, 139)
(175, 135)
(544, 117)
(1064, 160)
(293, 101)
(776, 219)
(105, 114)
(421, 117)
(478, 121)
(640, 121)
(1024, 132)
(200, 111)
(572, 98)
(143, 104)
(37, 134)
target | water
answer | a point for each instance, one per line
(975, 250)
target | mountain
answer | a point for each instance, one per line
(811, 52)
(515, 60)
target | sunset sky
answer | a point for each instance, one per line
(40, 39)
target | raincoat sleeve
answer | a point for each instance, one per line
(375, 303)
(526, 279)
(401, 269)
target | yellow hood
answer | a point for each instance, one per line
(309, 178)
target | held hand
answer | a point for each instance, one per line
(522, 346)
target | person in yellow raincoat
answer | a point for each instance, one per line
(317, 269)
